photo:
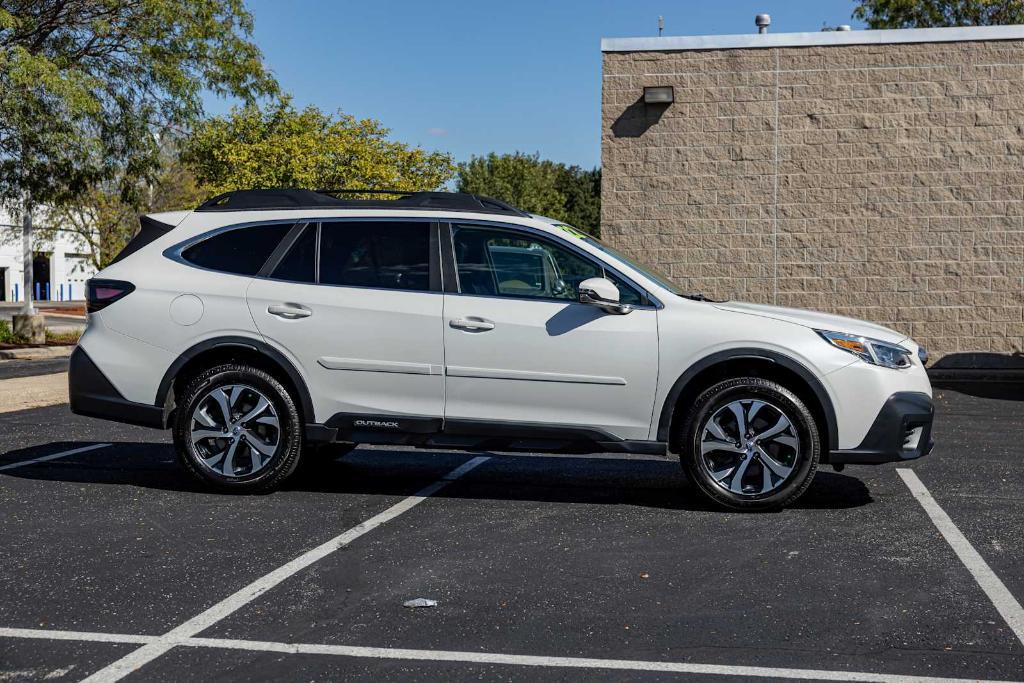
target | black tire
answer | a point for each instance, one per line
(800, 453)
(289, 432)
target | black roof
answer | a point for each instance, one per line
(265, 200)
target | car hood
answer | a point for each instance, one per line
(815, 320)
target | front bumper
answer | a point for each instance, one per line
(92, 394)
(901, 431)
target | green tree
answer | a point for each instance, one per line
(582, 190)
(523, 180)
(566, 193)
(931, 13)
(86, 86)
(85, 83)
(100, 221)
(280, 146)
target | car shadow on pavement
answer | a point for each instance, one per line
(1002, 390)
(577, 479)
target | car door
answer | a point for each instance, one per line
(357, 304)
(521, 349)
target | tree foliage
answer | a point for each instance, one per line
(566, 193)
(85, 84)
(879, 14)
(280, 146)
(582, 190)
(100, 221)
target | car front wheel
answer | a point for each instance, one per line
(237, 428)
(750, 444)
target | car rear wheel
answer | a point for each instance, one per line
(237, 428)
(750, 444)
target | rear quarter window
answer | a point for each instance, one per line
(241, 251)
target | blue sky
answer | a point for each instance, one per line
(472, 77)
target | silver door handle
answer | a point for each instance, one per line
(289, 311)
(472, 324)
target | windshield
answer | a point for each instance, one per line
(649, 272)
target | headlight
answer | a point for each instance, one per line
(869, 350)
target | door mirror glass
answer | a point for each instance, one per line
(601, 292)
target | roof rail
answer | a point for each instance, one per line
(365, 190)
(271, 199)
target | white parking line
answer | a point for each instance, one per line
(54, 456)
(569, 662)
(996, 591)
(81, 636)
(232, 603)
(492, 658)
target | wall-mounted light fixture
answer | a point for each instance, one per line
(659, 94)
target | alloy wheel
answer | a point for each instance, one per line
(749, 447)
(235, 430)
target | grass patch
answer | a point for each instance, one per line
(7, 336)
(68, 338)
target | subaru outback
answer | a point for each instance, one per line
(266, 324)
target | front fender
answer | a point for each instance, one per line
(786, 361)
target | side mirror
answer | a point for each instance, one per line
(601, 292)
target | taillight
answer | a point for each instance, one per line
(101, 293)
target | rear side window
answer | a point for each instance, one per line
(241, 251)
(381, 254)
(299, 264)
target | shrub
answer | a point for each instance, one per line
(6, 334)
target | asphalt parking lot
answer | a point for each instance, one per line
(545, 568)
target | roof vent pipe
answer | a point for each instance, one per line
(763, 21)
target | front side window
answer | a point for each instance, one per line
(241, 251)
(380, 254)
(501, 263)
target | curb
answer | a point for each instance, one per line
(36, 353)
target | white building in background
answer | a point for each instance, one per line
(60, 268)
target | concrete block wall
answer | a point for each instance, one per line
(883, 182)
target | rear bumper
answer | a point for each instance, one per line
(92, 394)
(901, 431)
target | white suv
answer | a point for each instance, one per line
(268, 320)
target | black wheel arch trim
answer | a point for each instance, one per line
(261, 347)
(798, 368)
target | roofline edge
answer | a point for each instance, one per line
(815, 38)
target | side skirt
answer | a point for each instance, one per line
(475, 435)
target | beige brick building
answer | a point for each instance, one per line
(875, 174)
